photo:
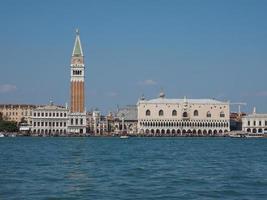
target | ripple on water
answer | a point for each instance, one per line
(138, 168)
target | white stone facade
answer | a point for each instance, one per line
(77, 123)
(178, 117)
(255, 123)
(49, 120)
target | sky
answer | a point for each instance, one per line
(193, 48)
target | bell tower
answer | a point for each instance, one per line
(77, 115)
(77, 77)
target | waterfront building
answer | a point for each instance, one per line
(236, 121)
(77, 115)
(177, 117)
(255, 123)
(126, 120)
(17, 112)
(49, 120)
(98, 124)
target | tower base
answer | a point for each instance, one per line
(77, 123)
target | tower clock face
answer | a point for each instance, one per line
(77, 60)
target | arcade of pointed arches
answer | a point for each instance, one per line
(183, 127)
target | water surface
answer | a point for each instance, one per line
(137, 168)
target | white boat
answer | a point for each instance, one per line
(2, 135)
(124, 137)
(255, 135)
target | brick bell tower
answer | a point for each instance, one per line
(77, 115)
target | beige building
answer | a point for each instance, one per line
(178, 117)
(255, 123)
(17, 112)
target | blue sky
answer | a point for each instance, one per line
(199, 49)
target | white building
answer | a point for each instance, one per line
(255, 123)
(175, 117)
(49, 120)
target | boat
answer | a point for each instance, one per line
(255, 135)
(2, 135)
(124, 137)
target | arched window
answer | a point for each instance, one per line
(222, 114)
(185, 114)
(161, 113)
(147, 112)
(174, 113)
(208, 114)
(196, 113)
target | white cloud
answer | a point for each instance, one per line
(261, 94)
(255, 94)
(148, 82)
(112, 94)
(5, 88)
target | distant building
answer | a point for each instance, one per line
(171, 117)
(17, 112)
(236, 121)
(255, 123)
(49, 120)
(98, 124)
(126, 120)
(77, 115)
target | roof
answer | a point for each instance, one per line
(179, 101)
(51, 107)
(77, 50)
(256, 115)
(128, 113)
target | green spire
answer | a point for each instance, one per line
(77, 50)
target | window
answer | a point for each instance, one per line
(161, 113)
(208, 114)
(222, 114)
(71, 121)
(34, 114)
(259, 123)
(254, 123)
(76, 121)
(147, 112)
(46, 114)
(196, 113)
(185, 114)
(65, 114)
(174, 113)
(265, 123)
(248, 123)
(81, 121)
